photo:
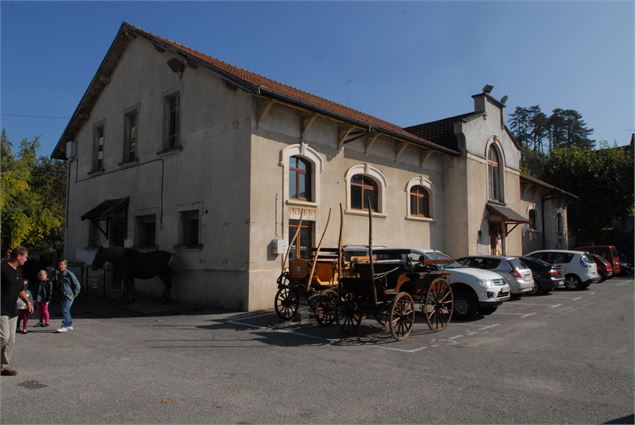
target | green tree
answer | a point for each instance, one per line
(32, 196)
(568, 129)
(602, 179)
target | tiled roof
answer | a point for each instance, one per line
(258, 84)
(441, 131)
(534, 180)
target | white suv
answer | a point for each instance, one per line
(579, 268)
(474, 290)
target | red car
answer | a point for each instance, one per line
(604, 267)
(609, 252)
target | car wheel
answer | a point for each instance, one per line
(536, 289)
(464, 305)
(486, 311)
(572, 281)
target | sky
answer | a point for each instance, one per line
(404, 62)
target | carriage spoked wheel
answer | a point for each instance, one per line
(325, 307)
(438, 305)
(286, 302)
(402, 316)
(348, 314)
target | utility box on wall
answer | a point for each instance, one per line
(279, 246)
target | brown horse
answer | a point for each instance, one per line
(131, 264)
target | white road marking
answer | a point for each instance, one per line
(508, 314)
(456, 336)
(491, 326)
(529, 314)
(577, 298)
(539, 305)
(556, 305)
(286, 331)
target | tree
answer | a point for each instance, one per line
(603, 181)
(32, 200)
(568, 129)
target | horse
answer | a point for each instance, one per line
(131, 264)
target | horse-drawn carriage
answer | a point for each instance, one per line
(347, 289)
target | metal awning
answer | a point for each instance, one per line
(507, 216)
(107, 208)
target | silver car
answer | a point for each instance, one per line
(517, 275)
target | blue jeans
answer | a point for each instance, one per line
(67, 320)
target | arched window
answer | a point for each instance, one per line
(419, 201)
(299, 178)
(532, 219)
(494, 174)
(363, 187)
(559, 222)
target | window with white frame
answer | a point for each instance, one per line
(532, 219)
(300, 179)
(302, 166)
(146, 226)
(172, 121)
(419, 199)
(559, 222)
(190, 226)
(494, 173)
(130, 136)
(365, 188)
(98, 148)
(364, 193)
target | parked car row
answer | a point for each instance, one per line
(481, 283)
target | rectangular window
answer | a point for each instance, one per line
(146, 231)
(98, 148)
(190, 228)
(131, 137)
(172, 121)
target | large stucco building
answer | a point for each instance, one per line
(172, 149)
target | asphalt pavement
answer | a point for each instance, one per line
(567, 357)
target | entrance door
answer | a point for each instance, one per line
(496, 238)
(305, 239)
(118, 229)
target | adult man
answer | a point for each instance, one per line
(12, 287)
(69, 289)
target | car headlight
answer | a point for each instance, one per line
(486, 283)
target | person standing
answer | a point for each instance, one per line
(69, 289)
(11, 284)
(44, 295)
(23, 311)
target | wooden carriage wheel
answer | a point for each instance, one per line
(325, 307)
(286, 302)
(348, 314)
(438, 305)
(402, 316)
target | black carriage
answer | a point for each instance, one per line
(392, 294)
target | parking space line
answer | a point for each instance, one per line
(539, 305)
(456, 336)
(287, 331)
(556, 305)
(508, 314)
(528, 314)
(577, 298)
(491, 326)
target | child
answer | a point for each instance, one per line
(44, 295)
(23, 311)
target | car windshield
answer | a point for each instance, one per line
(438, 255)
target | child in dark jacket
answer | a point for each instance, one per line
(44, 295)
